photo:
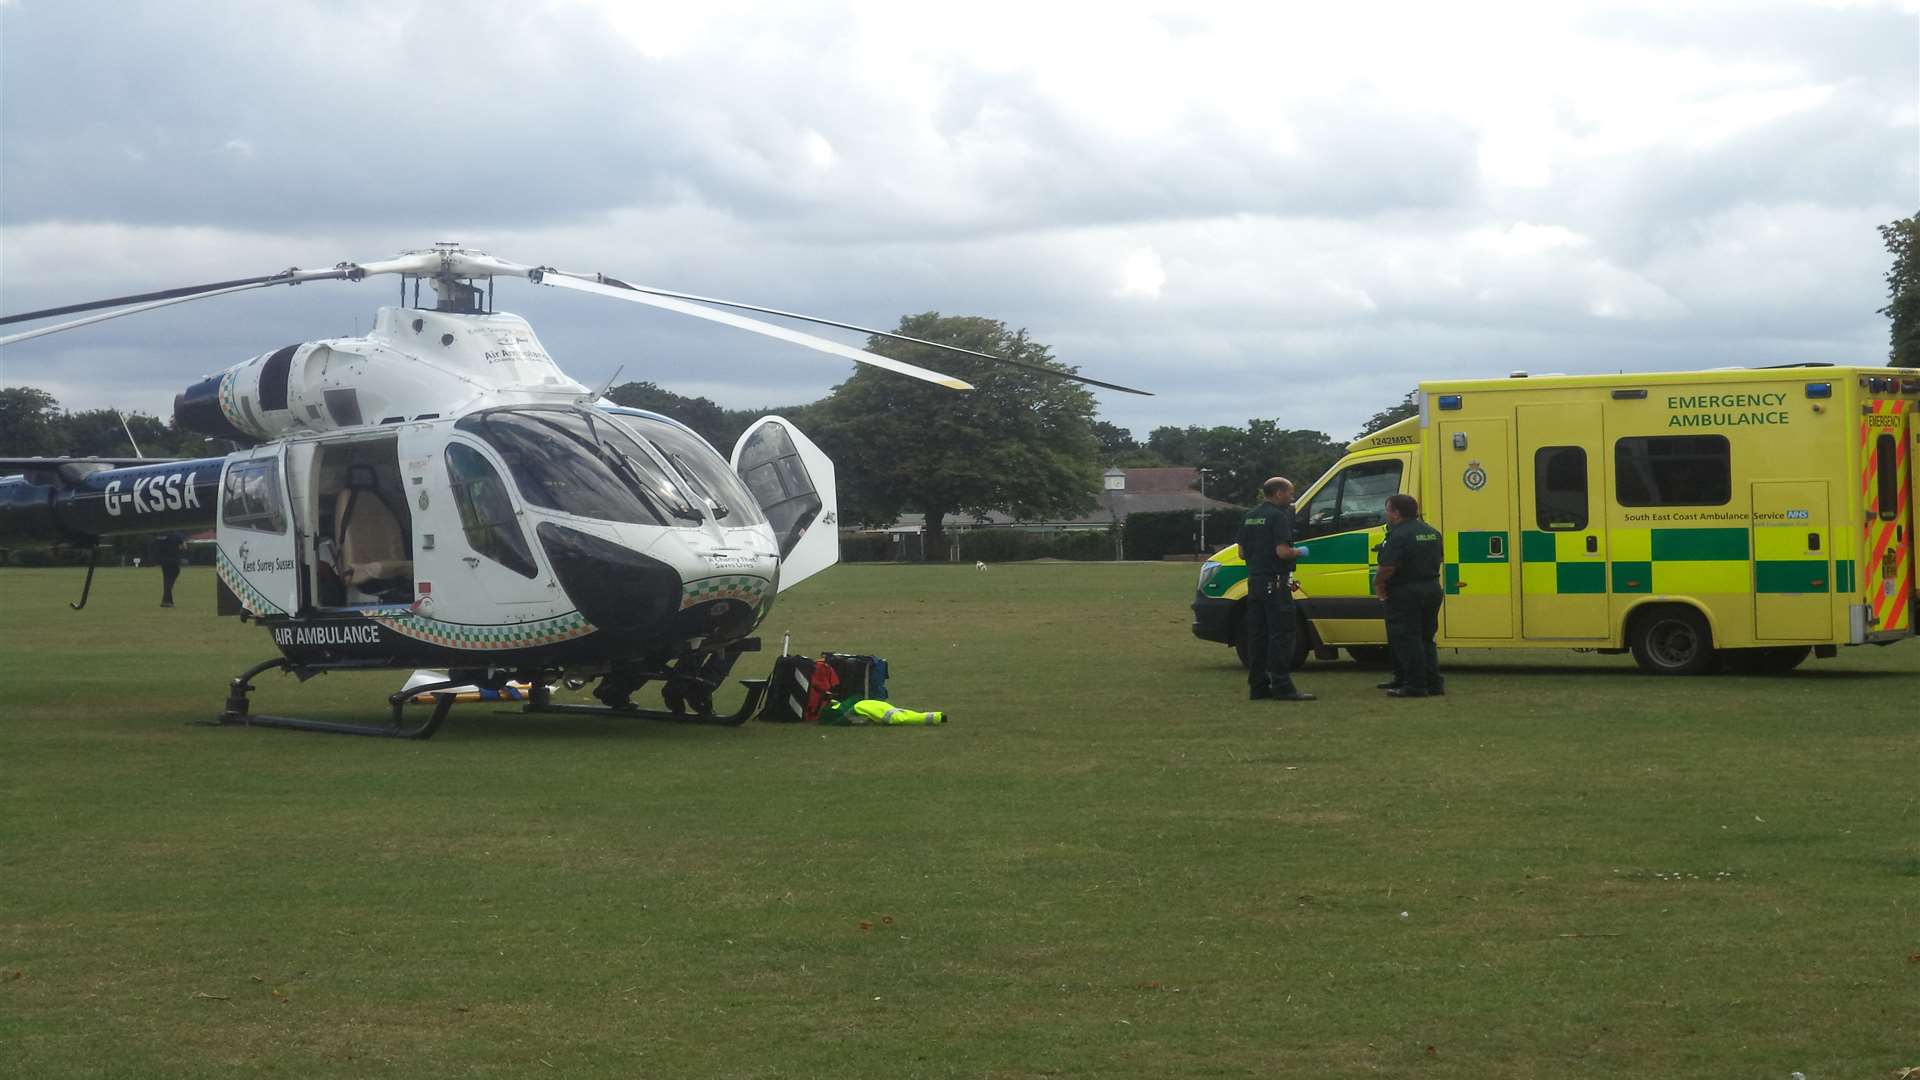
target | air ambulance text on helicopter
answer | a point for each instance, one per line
(439, 493)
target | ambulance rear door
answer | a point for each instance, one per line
(1887, 483)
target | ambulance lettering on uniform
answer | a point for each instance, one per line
(1693, 410)
(150, 494)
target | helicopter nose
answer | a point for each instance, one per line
(616, 588)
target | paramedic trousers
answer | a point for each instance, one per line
(1413, 617)
(1271, 626)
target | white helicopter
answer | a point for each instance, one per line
(439, 493)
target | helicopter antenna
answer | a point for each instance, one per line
(129, 431)
(609, 384)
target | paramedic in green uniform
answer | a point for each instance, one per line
(1266, 543)
(1409, 583)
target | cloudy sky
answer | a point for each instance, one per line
(1282, 210)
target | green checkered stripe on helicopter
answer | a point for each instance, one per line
(229, 400)
(252, 599)
(732, 587)
(526, 635)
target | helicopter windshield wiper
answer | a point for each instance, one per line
(623, 464)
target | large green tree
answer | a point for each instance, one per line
(29, 422)
(1903, 290)
(1239, 460)
(1020, 441)
(1391, 415)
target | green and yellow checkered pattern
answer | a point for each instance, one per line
(1478, 561)
(1678, 561)
(252, 599)
(745, 587)
(1558, 564)
(525, 635)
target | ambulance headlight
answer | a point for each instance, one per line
(1208, 570)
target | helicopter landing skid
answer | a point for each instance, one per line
(540, 701)
(238, 712)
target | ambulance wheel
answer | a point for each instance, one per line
(1672, 640)
(1768, 660)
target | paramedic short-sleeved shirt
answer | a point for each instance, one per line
(1414, 549)
(1265, 527)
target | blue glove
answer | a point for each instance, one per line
(1300, 550)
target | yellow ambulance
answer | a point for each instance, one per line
(1741, 518)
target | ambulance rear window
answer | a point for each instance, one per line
(1887, 463)
(1673, 470)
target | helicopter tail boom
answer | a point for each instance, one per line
(80, 500)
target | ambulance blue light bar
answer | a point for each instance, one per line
(1449, 401)
(1819, 390)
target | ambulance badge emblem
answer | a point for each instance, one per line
(1475, 477)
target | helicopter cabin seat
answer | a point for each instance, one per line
(372, 544)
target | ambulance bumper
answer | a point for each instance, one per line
(1213, 618)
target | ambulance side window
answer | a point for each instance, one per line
(486, 513)
(1316, 516)
(1886, 453)
(251, 497)
(1356, 498)
(1673, 470)
(1560, 488)
(1363, 497)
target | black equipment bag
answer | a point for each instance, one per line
(860, 676)
(787, 690)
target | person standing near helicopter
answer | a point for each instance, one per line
(165, 549)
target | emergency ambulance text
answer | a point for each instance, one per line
(1756, 409)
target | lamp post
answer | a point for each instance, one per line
(1202, 545)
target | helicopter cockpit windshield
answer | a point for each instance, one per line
(701, 469)
(574, 462)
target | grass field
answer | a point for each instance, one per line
(1108, 864)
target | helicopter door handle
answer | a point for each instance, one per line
(470, 561)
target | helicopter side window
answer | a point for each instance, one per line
(251, 497)
(578, 464)
(486, 513)
(701, 468)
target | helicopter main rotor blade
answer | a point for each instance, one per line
(1009, 361)
(623, 292)
(164, 298)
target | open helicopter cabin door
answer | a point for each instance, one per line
(792, 480)
(258, 545)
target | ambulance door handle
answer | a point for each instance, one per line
(1593, 545)
(1496, 546)
(1813, 541)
